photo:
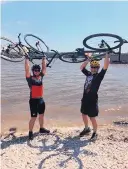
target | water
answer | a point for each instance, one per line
(63, 88)
(63, 84)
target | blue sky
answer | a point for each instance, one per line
(64, 25)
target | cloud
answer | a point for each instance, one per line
(9, 35)
(21, 22)
(10, 23)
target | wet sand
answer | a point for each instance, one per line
(59, 116)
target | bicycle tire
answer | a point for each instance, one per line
(97, 57)
(65, 56)
(10, 56)
(28, 35)
(103, 34)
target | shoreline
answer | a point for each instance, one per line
(59, 116)
(121, 122)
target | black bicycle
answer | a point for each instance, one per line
(16, 52)
(119, 60)
(39, 46)
(98, 44)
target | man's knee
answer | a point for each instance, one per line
(33, 118)
(85, 116)
(92, 118)
(41, 115)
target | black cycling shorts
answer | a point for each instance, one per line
(90, 109)
(37, 106)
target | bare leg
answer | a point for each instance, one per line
(86, 129)
(85, 120)
(31, 123)
(94, 123)
(41, 120)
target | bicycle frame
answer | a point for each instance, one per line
(44, 54)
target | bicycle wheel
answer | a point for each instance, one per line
(36, 43)
(10, 51)
(72, 57)
(94, 42)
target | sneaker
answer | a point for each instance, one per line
(30, 135)
(94, 136)
(43, 131)
(85, 131)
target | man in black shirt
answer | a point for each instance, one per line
(89, 102)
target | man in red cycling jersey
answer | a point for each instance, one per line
(36, 102)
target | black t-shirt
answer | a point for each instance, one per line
(92, 83)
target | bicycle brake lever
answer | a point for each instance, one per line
(19, 35)
(19, 38)
(55, 51)
(48, 66)
(37, 43)
(30, 60)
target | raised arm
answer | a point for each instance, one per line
(27, 68)
(44, 63)
(106, 61)
(84, 65)
(88, 55)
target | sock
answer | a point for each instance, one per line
(86, 127)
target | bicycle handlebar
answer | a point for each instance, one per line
(124, 40)
(37, 43)
(41, 56)
(19, 38)
(55, 51)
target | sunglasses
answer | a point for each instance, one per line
(36, 70)
(94, 67)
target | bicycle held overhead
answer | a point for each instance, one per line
(36, 48)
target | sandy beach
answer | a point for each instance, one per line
(63, 148)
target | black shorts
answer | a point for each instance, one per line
(90, 109)
(37, 106)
